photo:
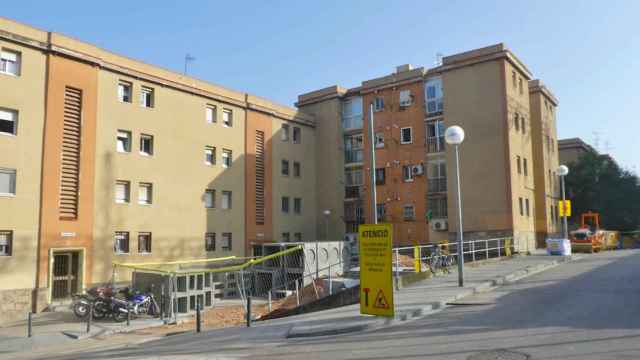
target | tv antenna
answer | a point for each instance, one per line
(187, 59)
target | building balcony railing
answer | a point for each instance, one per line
(353, 192)
(353, 156)
(435, 144)
(437, 185)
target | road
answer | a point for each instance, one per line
(586, 309)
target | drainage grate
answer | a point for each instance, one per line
(499, 355)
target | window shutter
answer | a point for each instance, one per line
(7, 115)
(70, 165)
(120, 191)
(9, 56)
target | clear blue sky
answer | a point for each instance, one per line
(587, 52)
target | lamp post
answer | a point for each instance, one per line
(563, 171)
(454, 135)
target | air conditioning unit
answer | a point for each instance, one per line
(440, 225)
(417, 169)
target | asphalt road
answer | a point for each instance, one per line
(586, 309)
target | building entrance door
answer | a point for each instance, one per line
(65, 274)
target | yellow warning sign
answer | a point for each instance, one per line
(376, 281)
(564, 208)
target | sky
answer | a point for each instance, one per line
(586, 52)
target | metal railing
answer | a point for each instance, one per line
(405, 258)
(437, 185)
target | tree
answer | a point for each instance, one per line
(596, 183)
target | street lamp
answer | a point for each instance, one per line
(326, 213)
(563, 171)
(454, 135)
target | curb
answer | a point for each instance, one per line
(428, 308)
(106, 331)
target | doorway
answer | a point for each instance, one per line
(65, 279)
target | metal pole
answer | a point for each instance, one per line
(460, 236)
(162, 300)
(317, 259)
(198, 317)
(372, 167)
(397, 269)
(297, 294)
(90, 317)
(128, 313)
(29, 324)
(248, 311)
(564, 211)
(330, 285)
(269, 300)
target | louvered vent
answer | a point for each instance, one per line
(259, 177)
(70, 165)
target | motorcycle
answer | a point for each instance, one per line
(137, 304)
(82, 302)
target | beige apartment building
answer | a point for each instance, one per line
(106, 159)
(485, 91)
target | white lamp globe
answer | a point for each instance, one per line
(563, 170)
(454, 135)
(327, 212)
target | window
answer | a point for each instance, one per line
(297, 135)
(121, 242)
(146, 97)
(379, 140)
(122, 192)
(381, 211)
(8, 122)
(209, 198)
(352, 113)
(210, 241)
(437, 177)
(209, 155)
(513, 79)
(353, 148)
(526, 202)
(226, 200)
(409, 212)
(380, 172)
(227, 117)
(145, 194)
(144, 243)
(520, 88)
(378, 103)
(10, 62)
(123, 142)
(553, 216)
(524, 166)
(434, 96)
(353, 177)
(124, 91)
(437, 205)
(435, 136)
(516, 121)
(407, 174)
(405, 135)
(211, 114)
(296, 169)
(406, 99)
(226, 158)
(524, 125)
(226, 241)
(286, 237)
(7, 181)
(518, 164)
(285, 204)
(284, 168)
(297, 206)
(6, 241)
(284, 136)
(146, 145)
(521, 208)
(297, 237)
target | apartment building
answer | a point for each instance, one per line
(545, 160)
(486, 92)
(106, 159)
(571, 149)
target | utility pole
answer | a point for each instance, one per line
(372, 166)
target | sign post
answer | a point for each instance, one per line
(564, 208)
(376, 280)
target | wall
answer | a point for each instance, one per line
(177, 217)
(474, 99)
(329, 160)
(23, 152)
(396, 193)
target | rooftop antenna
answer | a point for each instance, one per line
(596, 140)
(438, 61)
(607, 147)
(187, 59)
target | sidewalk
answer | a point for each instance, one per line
(419, 299)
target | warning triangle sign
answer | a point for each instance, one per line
(381, 301)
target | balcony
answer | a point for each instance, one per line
(437, 185)
(353, 192)
(352, 122)
(353, 156)
(435, 144)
